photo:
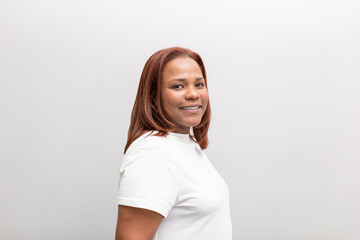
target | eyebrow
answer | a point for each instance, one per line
(184, 80)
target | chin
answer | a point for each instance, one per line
(194, 124)
(189, 122)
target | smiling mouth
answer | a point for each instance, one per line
(190, 108)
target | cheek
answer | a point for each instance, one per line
(205, 96)
(170, 100)
(173, 98)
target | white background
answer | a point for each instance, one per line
(284, 83)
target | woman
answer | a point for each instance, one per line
(168, 189)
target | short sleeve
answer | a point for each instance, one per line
(148, 180)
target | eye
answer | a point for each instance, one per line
(178, 86)
(200, 85)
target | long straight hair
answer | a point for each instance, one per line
(147, 113)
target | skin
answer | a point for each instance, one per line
(182, 85)
(136, 223)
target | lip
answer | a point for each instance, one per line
(191, 110)
(195, 105)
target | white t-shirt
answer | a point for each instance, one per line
(172, 176)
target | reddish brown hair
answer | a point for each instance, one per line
(147, 114)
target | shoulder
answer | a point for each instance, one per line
(148, 143)
(148, 149)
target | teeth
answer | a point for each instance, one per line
(191, 108)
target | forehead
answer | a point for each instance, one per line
(181, 66)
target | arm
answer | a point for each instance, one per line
(136, 223)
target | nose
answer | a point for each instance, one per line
(192, 94)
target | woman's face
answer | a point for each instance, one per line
(184, 96)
